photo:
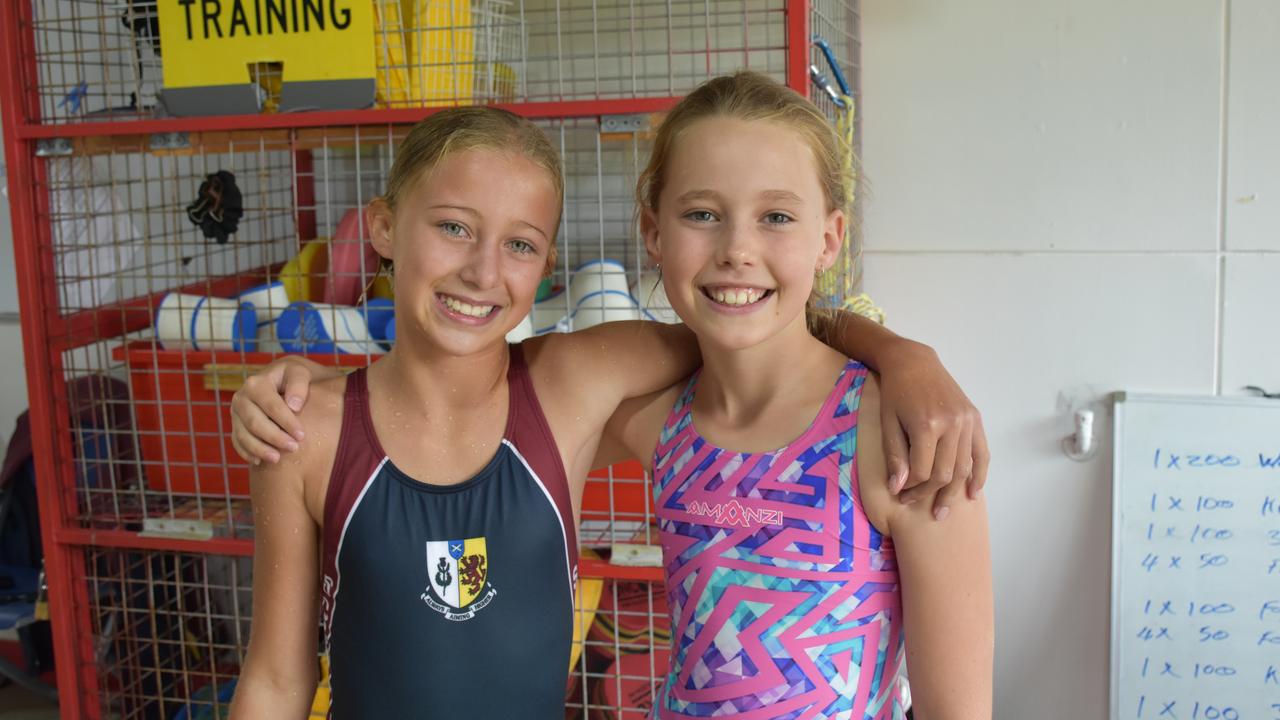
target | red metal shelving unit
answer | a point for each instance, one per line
(149, 622)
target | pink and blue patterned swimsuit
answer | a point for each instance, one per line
(784, 599)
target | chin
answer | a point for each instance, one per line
(461, 343)
(740, 338)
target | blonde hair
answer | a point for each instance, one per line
(751, 96)
(471, 128)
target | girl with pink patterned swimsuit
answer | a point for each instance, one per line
(797, 585)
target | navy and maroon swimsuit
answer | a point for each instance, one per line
(449, 601)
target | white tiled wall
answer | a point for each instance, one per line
(1051, 185)
(13, 385)
(1253, 145)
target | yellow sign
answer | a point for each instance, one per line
(215, 42)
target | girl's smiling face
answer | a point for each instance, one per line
(469, 244)
(741, 226)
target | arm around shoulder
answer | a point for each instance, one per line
(624, 359)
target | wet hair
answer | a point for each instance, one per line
(470, 128)
(751, 96)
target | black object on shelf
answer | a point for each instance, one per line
(217, 208)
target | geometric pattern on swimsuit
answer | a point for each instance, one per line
(784, 599)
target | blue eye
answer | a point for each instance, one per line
(524, 247)
(777, 218)
(453, 228)
(700, 216)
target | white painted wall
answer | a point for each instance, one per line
(1072, 196)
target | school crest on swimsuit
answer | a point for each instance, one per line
(459, 575)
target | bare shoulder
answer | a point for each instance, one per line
(873, 474)
(322, 417)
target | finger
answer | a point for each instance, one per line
(263, 428)
(944, 469)
(924, 445)
(944, 457)
(963, 463)
(244, 454)
(925, 491)
(895, 451)
(295, 386)
(981, 461)
(265, 403)
(258, 452)
(950, 494)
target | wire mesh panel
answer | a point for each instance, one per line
(166, 267)
(161, 324)
(103, 59)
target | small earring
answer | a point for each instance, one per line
(364, 294)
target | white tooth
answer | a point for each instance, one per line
(741, 297)
(718, 294)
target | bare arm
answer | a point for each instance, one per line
(945, 569)
(280, 671)
(945, 572)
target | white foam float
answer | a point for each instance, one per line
(322, 328)
(593, 276)
(270, 301)
(197, 322)
(602, 307)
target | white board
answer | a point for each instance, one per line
(1195, 595)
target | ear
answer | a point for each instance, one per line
(649, 231)
(380, 220)
(832, 239)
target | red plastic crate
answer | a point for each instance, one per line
(184, 428)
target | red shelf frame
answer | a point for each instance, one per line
(45, 333)
(334, 118)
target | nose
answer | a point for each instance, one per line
(736, 246)
(482, 270)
